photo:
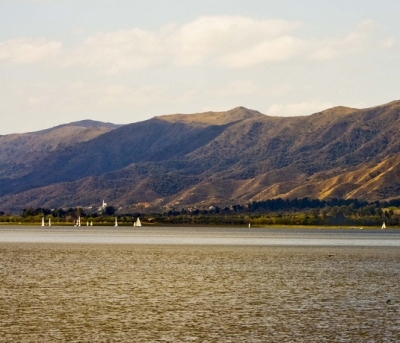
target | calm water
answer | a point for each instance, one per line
(198, 285)
(199, 235)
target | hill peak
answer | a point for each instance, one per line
(88, 123)
(214, 118)
(343, 110)
(338, 110)
(81, 125)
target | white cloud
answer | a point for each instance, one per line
(297, 109)
(388, 43)
(118, 51)
(28, 51)
(204, 63)
(357, 41)
(213, 40)
(81, 96)
(269, 51)
(217, 36)
(223, 41)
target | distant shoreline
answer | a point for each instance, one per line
(130, 225)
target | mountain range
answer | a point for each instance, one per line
(204, 159)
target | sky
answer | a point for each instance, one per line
(124, 61)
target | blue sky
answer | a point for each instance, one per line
(127, 61)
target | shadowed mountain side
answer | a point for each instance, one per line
(125, 187)
(20, 152)
(151, 140)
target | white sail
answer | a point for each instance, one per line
(91, 223)
(138, 223)
(49, 221)
(383, 226)
(42, 221)
(116, 222)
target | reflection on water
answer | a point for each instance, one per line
(191, 293)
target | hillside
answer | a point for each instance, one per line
(19, 152)
(214, 158)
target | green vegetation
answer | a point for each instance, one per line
(302, 212)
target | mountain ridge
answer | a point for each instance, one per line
(226, 157)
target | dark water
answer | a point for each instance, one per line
(79, 292)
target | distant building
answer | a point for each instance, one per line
(102, 207)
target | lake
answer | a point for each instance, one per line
(199, 235)
(198, 285)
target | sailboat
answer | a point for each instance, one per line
(42, 221)
(383, 226)
(116, 222)
(49, 221)
(137, 223)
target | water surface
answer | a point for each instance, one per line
(200, 235)
(86, 291)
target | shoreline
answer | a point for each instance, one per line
(289, 227)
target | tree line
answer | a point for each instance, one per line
(277, 211)
(305, 211)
